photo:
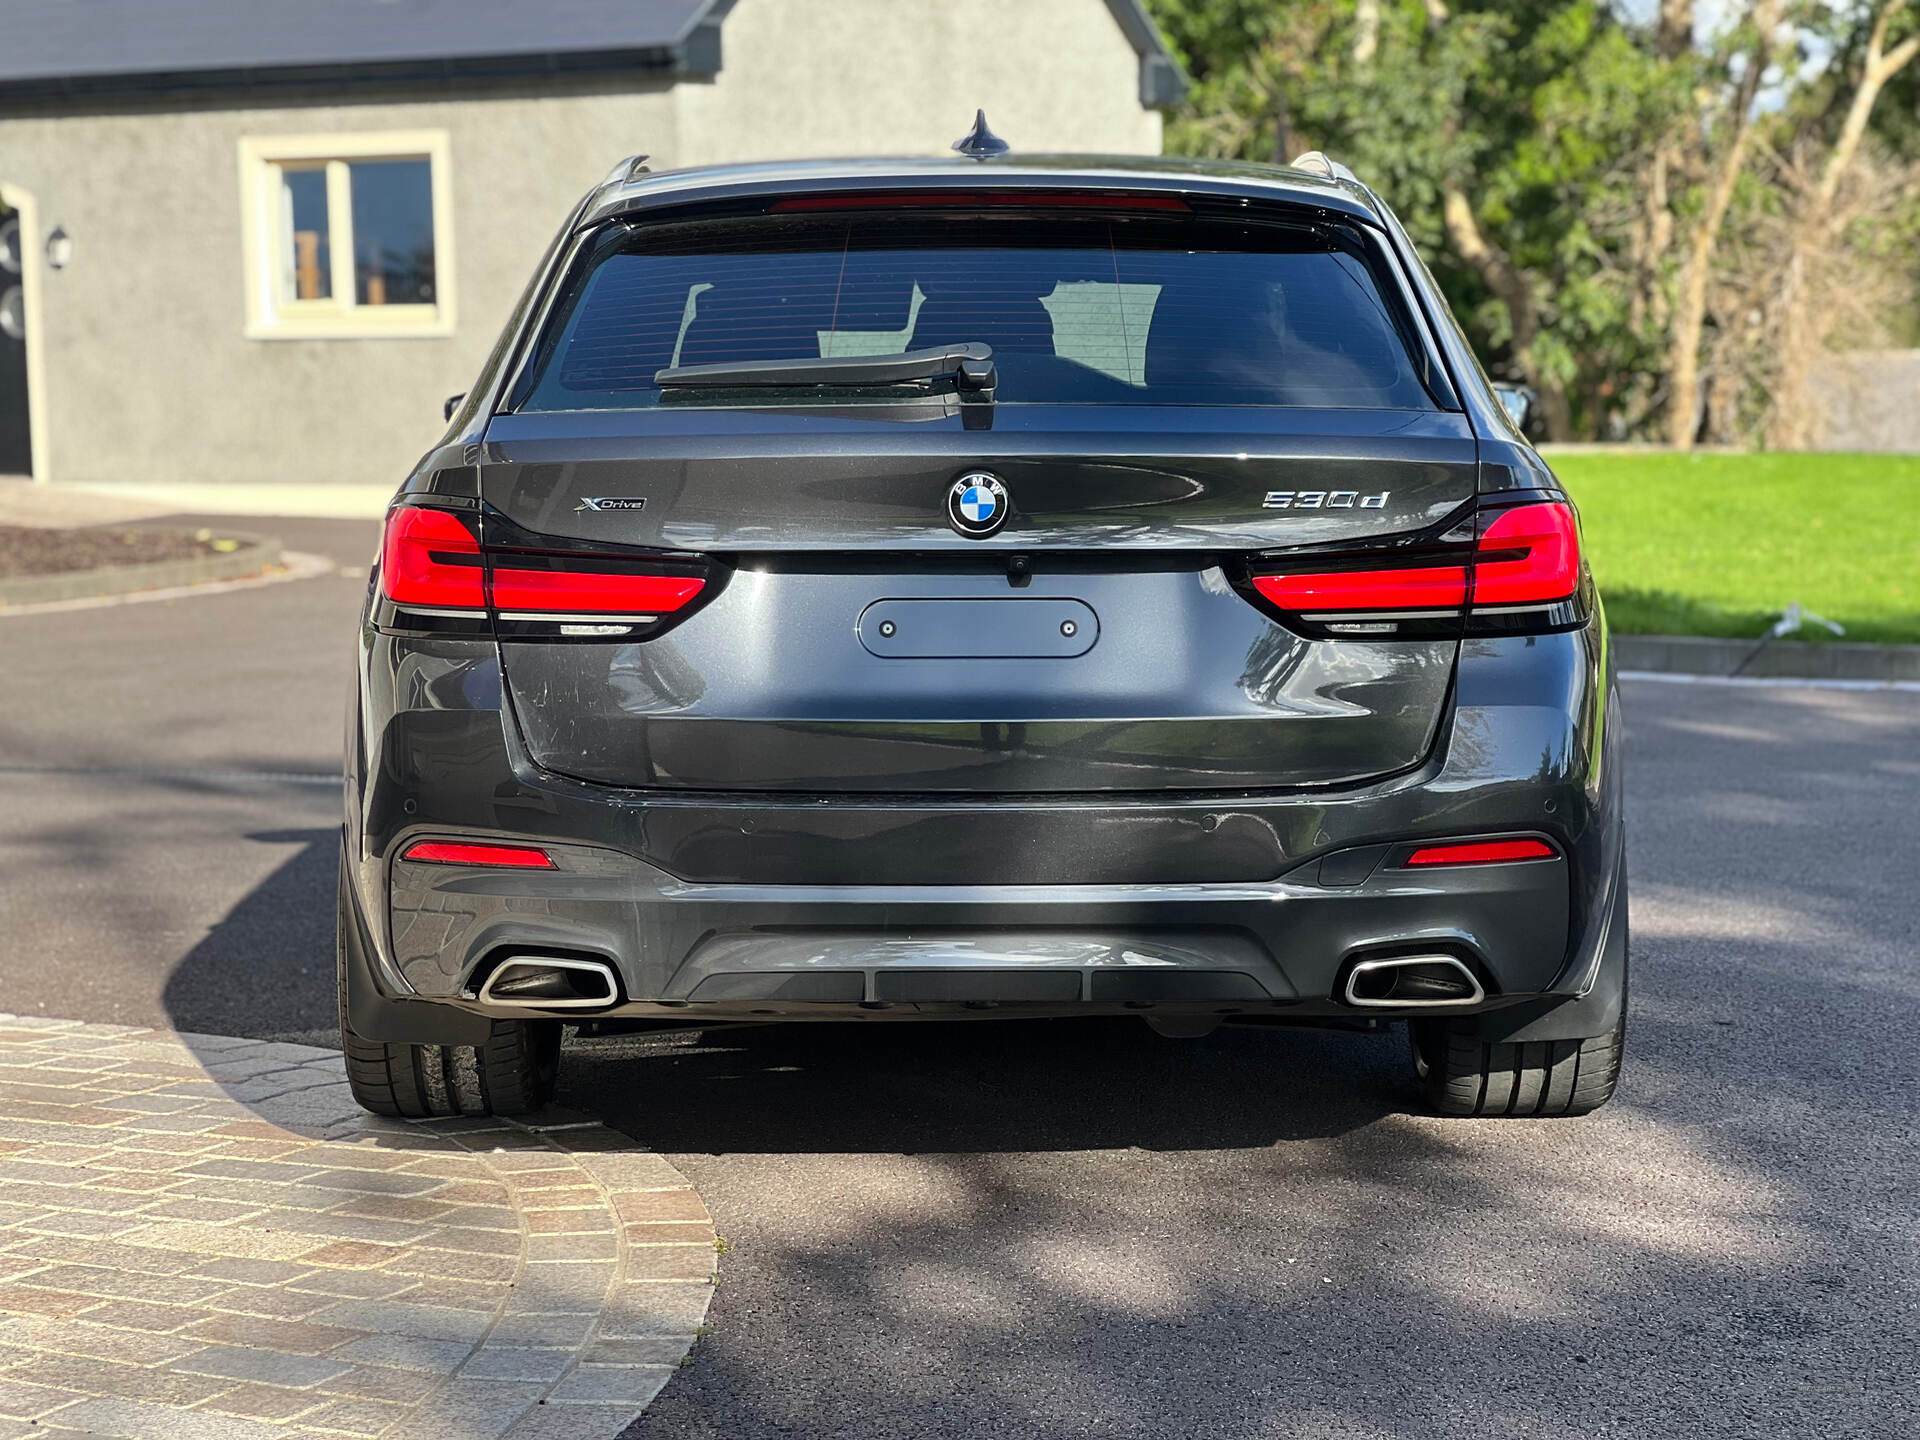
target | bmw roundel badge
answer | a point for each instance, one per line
(977, 504)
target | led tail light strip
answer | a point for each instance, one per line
(434, 569)
(1520, 573)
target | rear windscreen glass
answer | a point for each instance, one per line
(1080, 310)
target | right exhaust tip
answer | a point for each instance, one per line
(1401, 982)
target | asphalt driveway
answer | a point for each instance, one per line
(1065, 1230)
(170, 769)
(1062, 1230)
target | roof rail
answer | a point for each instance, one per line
(1315, 163)
(631, 168)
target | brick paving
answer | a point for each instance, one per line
(204, 1237)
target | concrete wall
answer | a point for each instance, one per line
(903, 77)
(1865, 400)
(147, 375)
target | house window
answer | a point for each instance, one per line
(347, 235)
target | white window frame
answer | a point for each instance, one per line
(272, 317)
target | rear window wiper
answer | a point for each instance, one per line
(970, 367)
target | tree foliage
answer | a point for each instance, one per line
(1563, 170)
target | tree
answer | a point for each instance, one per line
(1819, 225)
(1736, 131)
(1653, 227)
(1505, 134)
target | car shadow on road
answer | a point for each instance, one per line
(982, 1086)
(266, 969)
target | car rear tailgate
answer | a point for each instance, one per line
(1127, 530)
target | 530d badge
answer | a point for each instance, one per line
(1324, 500)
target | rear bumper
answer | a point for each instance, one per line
(772, 948)
(894, 907)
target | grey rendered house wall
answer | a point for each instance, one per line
(807, 78)
(146, 374)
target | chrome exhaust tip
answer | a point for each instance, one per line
(550, 982)
(1399, 982)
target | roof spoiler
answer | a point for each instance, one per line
(631, 168)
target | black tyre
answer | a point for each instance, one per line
(512, 1073)
(1466, 1075)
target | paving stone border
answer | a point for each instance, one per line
(203, 1238)
(254, 555)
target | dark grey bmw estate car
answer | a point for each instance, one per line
(985, 588)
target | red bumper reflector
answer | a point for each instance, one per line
(1480, 852)
(1437, 587)
(430, 559)
(590, 592)
(447, 852)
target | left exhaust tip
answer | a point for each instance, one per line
(550, 982)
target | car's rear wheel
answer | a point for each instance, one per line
(1466, 1075)
(511, 1073)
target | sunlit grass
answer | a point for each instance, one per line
(1721, 544)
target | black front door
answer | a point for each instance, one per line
(16, 440)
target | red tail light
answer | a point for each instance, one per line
(521, 592)
(1519, 574)
(439, 577)
(1529, 555)
(1438, 587)
(447, 852)
(1480, 852)
(430, 560)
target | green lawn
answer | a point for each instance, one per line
(1719, 544)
